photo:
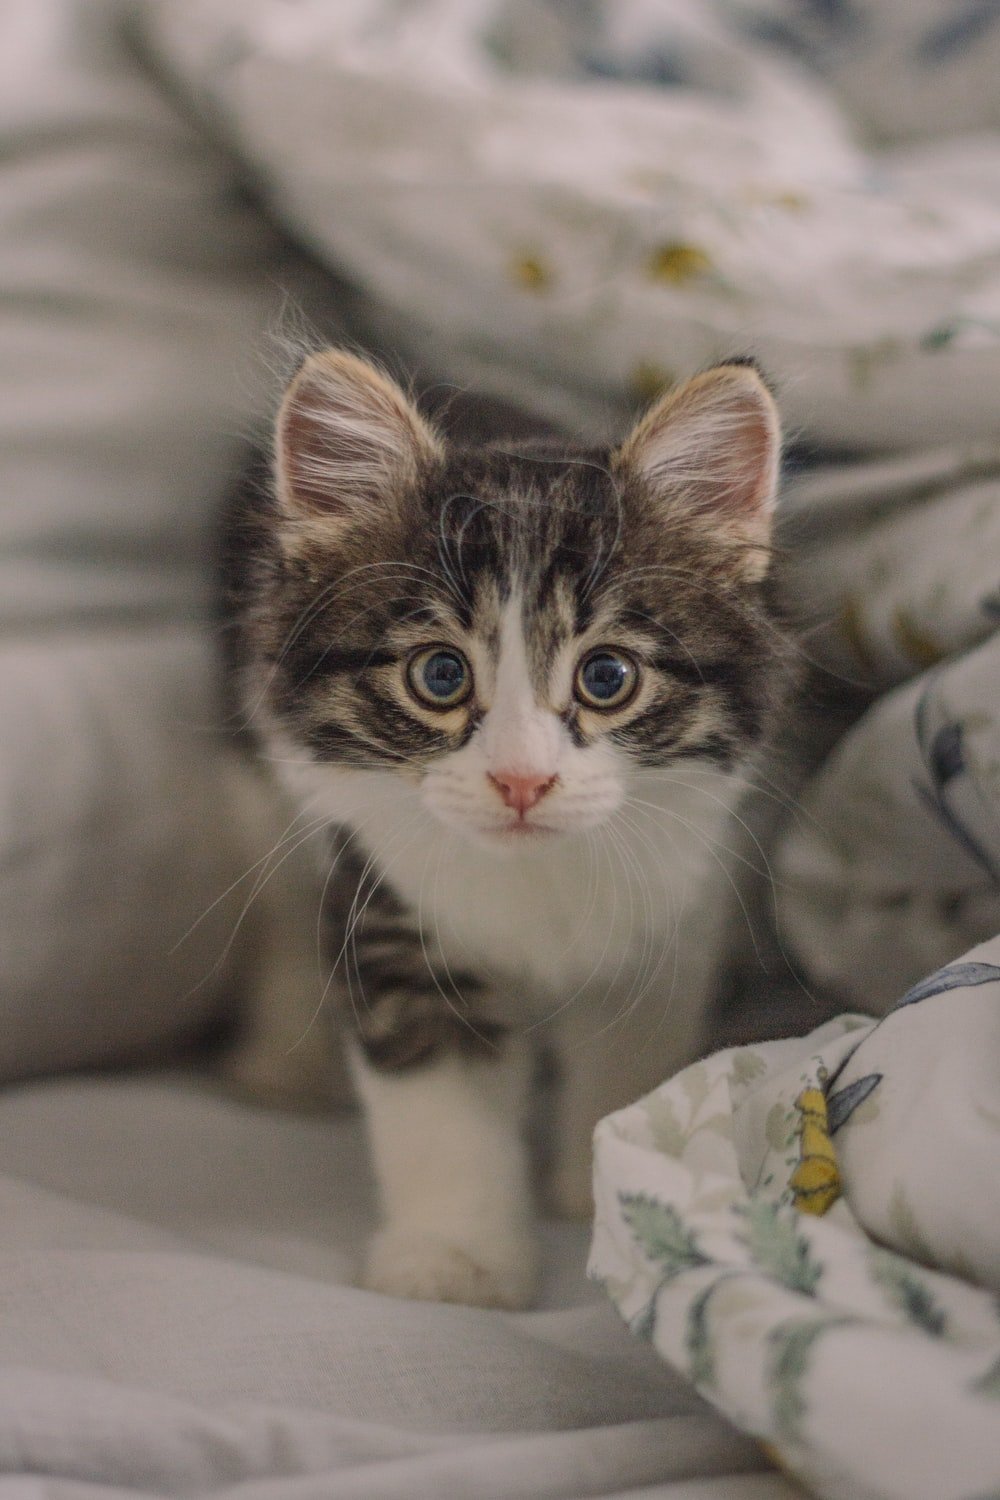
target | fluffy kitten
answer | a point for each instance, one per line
(510, 683)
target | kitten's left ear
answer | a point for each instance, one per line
(348, 441)
(712, 447)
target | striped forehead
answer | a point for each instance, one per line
(518, 542)
(521, 631)
(524, 522)
(550, 614)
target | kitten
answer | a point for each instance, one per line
(511, 682)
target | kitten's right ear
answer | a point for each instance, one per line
(712, 447)
(347, 440)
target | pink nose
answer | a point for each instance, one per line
(521, 792)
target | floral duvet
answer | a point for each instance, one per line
(810, 1230)
(569, 206)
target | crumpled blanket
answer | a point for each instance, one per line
(568, 206)
(891, 865)
(810, 1230)
(571, 205)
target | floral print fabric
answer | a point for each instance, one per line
(892, 867)
(810, 1230)
(573, 205)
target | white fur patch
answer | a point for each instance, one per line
(453, 1180)
(522, 737)
(615, 888)
(597, 908)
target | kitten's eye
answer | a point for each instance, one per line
(439, 677)
(606, 679)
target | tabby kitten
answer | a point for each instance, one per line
(511, 683)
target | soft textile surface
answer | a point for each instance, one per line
(534, 222)
(136, 285)
(721, 1237)
(892, 863)
(177, 1320)
(564, 204)
(570, 204)
(109, 781)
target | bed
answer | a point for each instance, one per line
(562, 208)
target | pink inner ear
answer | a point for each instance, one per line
(713, 447)
(308, 461)
(346, 437)
(749, 472)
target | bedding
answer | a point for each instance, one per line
(563, 206)
(892, 864)
(569, 206)
(178, 1319)
(810, 1230)
(134, 290)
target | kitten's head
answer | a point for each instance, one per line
(516, 630)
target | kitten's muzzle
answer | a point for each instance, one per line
(521, 793)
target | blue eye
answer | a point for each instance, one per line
(606, 679)
(439, 677)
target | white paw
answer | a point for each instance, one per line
(433, 1268)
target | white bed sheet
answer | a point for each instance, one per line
(177, 1318)
(176, 1314)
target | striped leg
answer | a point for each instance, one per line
(444, 1089)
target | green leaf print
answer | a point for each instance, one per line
(907, 1291)
(779, 1130)
(669, 1135)
(698, 1340)
(747, 1066)
(696, 1084)
(698, 1335)
(661, 1233)
(774, 1241)
(792, 1345)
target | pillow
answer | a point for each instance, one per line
(569, 206)
(136, 282)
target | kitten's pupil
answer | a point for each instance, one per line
(605, 679)
(604, 676)
(443, 676)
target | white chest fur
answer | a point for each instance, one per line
(611, 907)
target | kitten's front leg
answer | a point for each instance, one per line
(445, 1091)
(450, 1160)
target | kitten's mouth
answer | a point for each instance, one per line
(519, 829)
(505, 838)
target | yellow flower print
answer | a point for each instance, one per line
(815, 1183)
(675, 263)
(531, 272)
